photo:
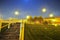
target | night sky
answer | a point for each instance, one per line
(29, 7)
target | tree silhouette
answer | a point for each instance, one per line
(40, 18)
(35, 18)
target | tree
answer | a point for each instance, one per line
(45, 22)
(50, 22)
(35, 18)
(29, 18)
(40, 18)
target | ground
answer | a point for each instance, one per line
(31, 32)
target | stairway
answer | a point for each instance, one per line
(10, 34)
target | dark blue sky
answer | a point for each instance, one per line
(29, 7)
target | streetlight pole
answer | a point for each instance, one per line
(16, 13)
(43, 10)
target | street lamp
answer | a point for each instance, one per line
(28, 17)
(51, 15)
(16, 13)
(44, 10)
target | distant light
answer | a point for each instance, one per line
(28, 17)
(16, 12)
(51, 15)
(44, 10)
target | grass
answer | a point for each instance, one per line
(41, 32)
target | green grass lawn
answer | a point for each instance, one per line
(41, 32)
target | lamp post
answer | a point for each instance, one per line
(16, 13)
(28, 17)
(43, 10)
(51, 15)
